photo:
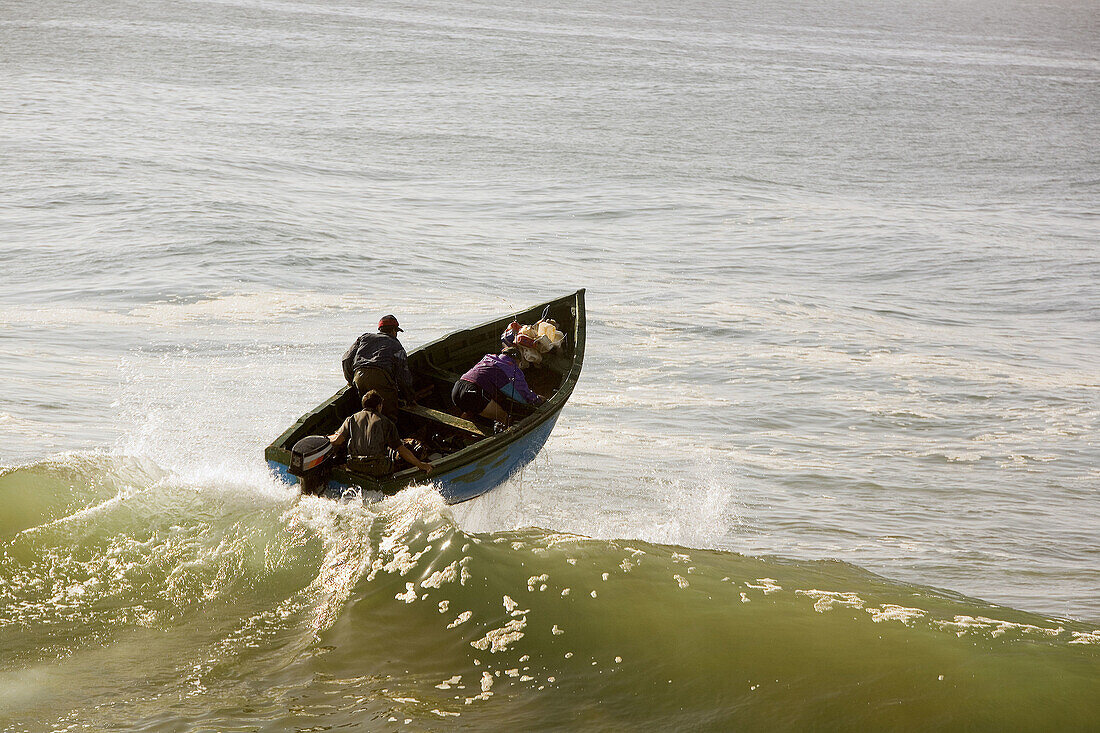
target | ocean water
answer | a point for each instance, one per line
(832, 463)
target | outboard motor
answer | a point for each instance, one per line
(311, 460)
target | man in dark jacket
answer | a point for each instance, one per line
(378, 361)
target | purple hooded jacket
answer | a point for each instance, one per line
(497, 374)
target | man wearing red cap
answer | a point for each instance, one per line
(378, 361)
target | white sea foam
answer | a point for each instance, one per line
(963, 625)
(449, 683)
(768, 585)
(890, 612)
(460, 619)
(1082, 637)
(825, 600)
(498, 640)
(448, 574)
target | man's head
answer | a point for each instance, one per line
(389, 325)
(372, 401)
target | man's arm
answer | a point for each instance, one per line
(520, 391)
(404, 376)
(348, 362)
(408, 455)
(340, 436)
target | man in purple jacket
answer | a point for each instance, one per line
(484, 389)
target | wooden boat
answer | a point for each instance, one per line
(468, 458)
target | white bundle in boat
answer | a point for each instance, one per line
(527, 341)
(549, 336)
(533, 341)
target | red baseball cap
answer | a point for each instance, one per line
(389, 322)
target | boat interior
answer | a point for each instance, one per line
(434, 425)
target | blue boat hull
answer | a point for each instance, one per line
(467, 481)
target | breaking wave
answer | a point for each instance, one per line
(214, 603)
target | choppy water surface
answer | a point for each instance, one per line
(841, 379)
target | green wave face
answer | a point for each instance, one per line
(130, 599)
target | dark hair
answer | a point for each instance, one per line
(510, 351)
(372, 401)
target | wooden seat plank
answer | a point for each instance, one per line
(442, 417)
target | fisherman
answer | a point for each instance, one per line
(378, 361)
(486, 388)
(370, 433)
